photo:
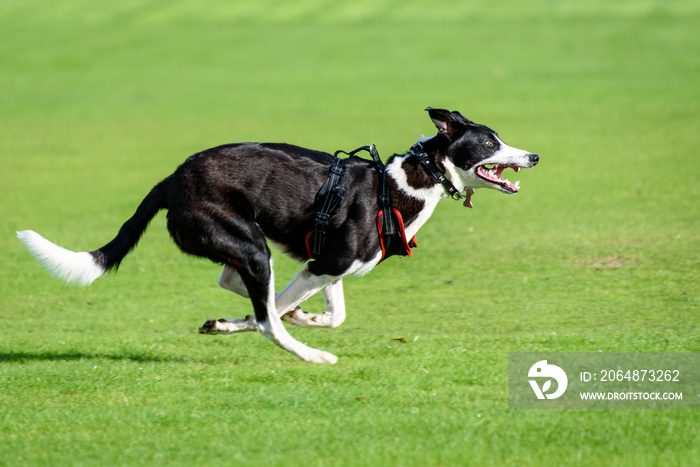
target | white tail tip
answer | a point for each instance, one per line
(74, 268)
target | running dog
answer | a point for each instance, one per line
(227, 202)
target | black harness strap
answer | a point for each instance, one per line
(327, 200)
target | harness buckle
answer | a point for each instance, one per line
(320, 222)
(337, 168)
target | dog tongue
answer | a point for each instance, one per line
(468, 201)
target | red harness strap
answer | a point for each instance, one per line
(406, 244)
(309, 253)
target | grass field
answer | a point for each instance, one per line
(598, 252)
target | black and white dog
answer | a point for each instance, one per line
(225, 203)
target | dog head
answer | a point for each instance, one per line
(473, 155)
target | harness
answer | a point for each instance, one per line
(390, 225)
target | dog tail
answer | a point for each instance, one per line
(84, 267)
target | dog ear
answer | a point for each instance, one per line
(448, 123)
(462, 118)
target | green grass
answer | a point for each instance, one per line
(599, 251)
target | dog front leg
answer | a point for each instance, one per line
(331, 318)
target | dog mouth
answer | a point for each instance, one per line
(491, 173)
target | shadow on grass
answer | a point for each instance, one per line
(25, 357)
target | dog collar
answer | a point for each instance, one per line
(418, 151)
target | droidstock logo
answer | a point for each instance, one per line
(542, 369)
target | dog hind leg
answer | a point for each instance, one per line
(245, 250)
(230, 280)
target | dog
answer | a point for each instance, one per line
(226, 203)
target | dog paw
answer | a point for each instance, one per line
(323, 357)
(211, 326)
(296, 317)
(225, 326)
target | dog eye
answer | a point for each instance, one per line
(490, 143)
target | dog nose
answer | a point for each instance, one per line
(534, 158)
